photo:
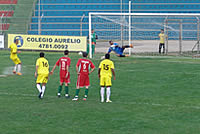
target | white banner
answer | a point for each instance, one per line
(1, 41)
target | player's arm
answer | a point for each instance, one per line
(36, 70)
(99, 72)
(92, 66)
(113, 72)
(91, 70)
(67, 69)
(54, 67)
(109, 50)
(77, 70)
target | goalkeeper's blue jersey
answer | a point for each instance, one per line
(116, 49)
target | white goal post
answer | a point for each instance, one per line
(108, 25)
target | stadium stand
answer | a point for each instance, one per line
(62, 17)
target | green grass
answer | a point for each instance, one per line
(151, 95)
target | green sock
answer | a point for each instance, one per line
(93, 49)
(77, 92)
(66, 90)
(86, 92)
(59, 89)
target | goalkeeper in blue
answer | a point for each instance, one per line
(117, 49)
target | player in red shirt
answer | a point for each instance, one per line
(83, 70)
(64, 63)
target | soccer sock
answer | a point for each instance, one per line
(66, 90)
(43, 90)
(108, 92)
(19, 67)
(102, 93)
(86, 92)
(59, 89)
(15, 68)
(39, 88)
(77, 92)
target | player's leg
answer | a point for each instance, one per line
(60, 88)
(86, 84)
(66, 90)
(78, 84)
(163, 48)
(108, 91)
(76, 94)
(102, 84)
(127, 46)
(160, 46)
(38, 81)
(67, 81)
(44, 81)
(102, 93)
(19, 66)
(43, 89)
(15, 69)
(93, 47)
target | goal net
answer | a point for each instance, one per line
(142, 30)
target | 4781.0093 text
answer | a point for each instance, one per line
(53, 46)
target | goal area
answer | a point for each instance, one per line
(142, 30)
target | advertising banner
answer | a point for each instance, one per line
(49, 42)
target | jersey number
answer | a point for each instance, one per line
(45, 64)
(105, 67)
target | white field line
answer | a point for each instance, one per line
(115, 102)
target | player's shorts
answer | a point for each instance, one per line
(42, 78)
(16, 60)
(105, 81)
(83, 81)
(64, 79)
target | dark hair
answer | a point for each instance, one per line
(85, 54)
(66, 52)
(107, 56)
(110, 41)
(162, 29)
(15, 40)
(41, 54)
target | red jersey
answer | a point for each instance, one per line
(63, 62)
(84, 65)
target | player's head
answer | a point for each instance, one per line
(111, 42)
(92, 30)
(85, 54)
(107, 56)
(41, 54)
(66, 52)
(16, 41)
(162, 30)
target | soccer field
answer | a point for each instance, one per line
(151, 95)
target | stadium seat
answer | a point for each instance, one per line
(6, 13)
(5, 26)
(8, 1)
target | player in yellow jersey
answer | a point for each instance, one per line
(15, 58)
(162, 37)
(42, 74)
(105, 72)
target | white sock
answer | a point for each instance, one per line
(108, 92)
(102, 94)
(43, 90)
(19, 67)
(39, 88)
(15, 68)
